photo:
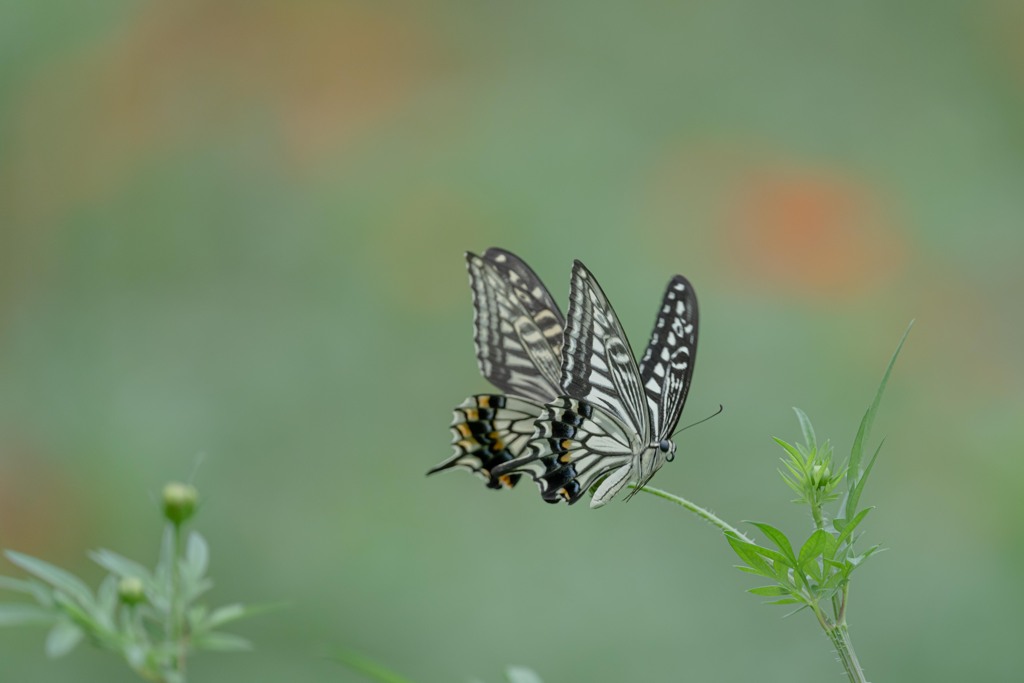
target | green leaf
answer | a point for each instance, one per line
(369, 668)
(847, 529)
(41, 593)
(864, 430)
(221, 642)
(814, 547)
(769, 591)
(62, 639)
(197, 556)
(807, 429)
(746, 552)
(779, 539)
(106, 602)
(16, 614)
(792, 450)
(853, 495)
(62, 580)
(224, 615)
(787, 601)
(121, 566)
(520, 674)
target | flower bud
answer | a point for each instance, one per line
(820, 475)
(131, 590)
(179, 502)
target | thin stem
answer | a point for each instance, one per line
(706, 515)
(177, 633)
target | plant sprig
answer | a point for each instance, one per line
(153, 619)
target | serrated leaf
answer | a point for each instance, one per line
(60, 579)
(369, 668)
(779, 539)
(17, 614)
(121, 566)
(807, 429)
(768, 591)
(520, 674)
(221, 642)
(62, 639)
(864, 430)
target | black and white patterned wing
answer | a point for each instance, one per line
(517, 326)
(667, 366)
(534, 297)
(598, 366)
(574, 445)
(518, 337)
(487, 431)
(601, 421)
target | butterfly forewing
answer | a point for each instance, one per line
(598, 365)
(517, 333)
(667, 366)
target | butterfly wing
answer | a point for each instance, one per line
(602, 420)
(488, 430)
(667, 366)
(575, 444)
(518, 338)
(598, 365)
(517, 326)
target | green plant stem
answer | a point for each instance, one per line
(177, 631)
(840, 637)
(704, 514)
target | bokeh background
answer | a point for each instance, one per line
(236, 229)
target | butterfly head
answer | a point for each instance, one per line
(667, 450)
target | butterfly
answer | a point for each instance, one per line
(612, 417)
(518, 338)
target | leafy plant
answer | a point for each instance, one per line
(153, 619)
(814, 574)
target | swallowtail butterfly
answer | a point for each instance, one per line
(612, 417)
(518, 338)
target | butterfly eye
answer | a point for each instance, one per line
(665, 445)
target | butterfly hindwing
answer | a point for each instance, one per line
(574, 445)
(487, 431)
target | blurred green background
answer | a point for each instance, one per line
(236, 229)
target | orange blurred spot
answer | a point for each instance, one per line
(811, 232)
(40, 509)
(315, 75)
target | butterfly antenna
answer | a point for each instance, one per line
(714, 414)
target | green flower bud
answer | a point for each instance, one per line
(820, 475)
(180, 502)
(131, 590)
